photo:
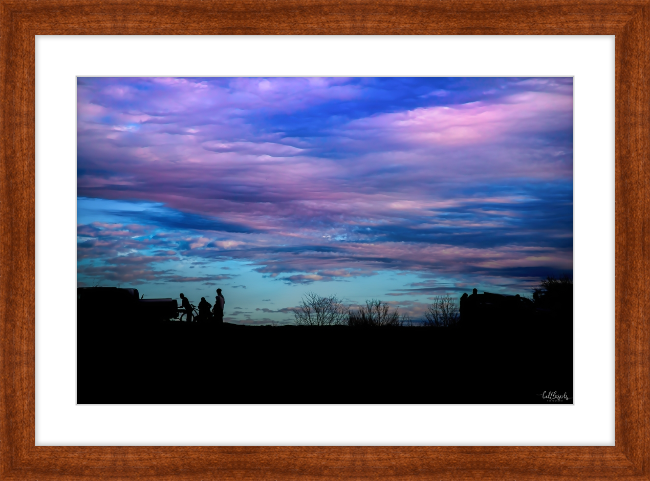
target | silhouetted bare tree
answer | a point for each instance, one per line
(555, 297)
(375, 314)
(315, 310)
(442, 312)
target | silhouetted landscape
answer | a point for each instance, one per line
(493, 350)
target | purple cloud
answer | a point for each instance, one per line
(311, 180)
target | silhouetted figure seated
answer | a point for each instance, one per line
(204, 310)
(185, 304)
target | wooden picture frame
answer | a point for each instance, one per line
(21, 20)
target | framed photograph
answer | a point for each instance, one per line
(281, 192)
(374, 235)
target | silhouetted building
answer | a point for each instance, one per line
(116, 304)
(490, 310)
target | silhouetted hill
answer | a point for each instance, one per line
(176, 362)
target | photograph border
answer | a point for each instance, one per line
(22, 20)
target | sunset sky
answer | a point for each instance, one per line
(397, 189)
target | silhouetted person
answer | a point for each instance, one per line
(204, 310)
(187, 306)
(219, 304)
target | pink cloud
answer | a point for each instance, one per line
(471, 123)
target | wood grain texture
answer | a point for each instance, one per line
(20, 21)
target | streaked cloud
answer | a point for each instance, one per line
(313, 181)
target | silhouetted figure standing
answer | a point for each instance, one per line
(187, 306)
(219, 304)
(204, 310)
